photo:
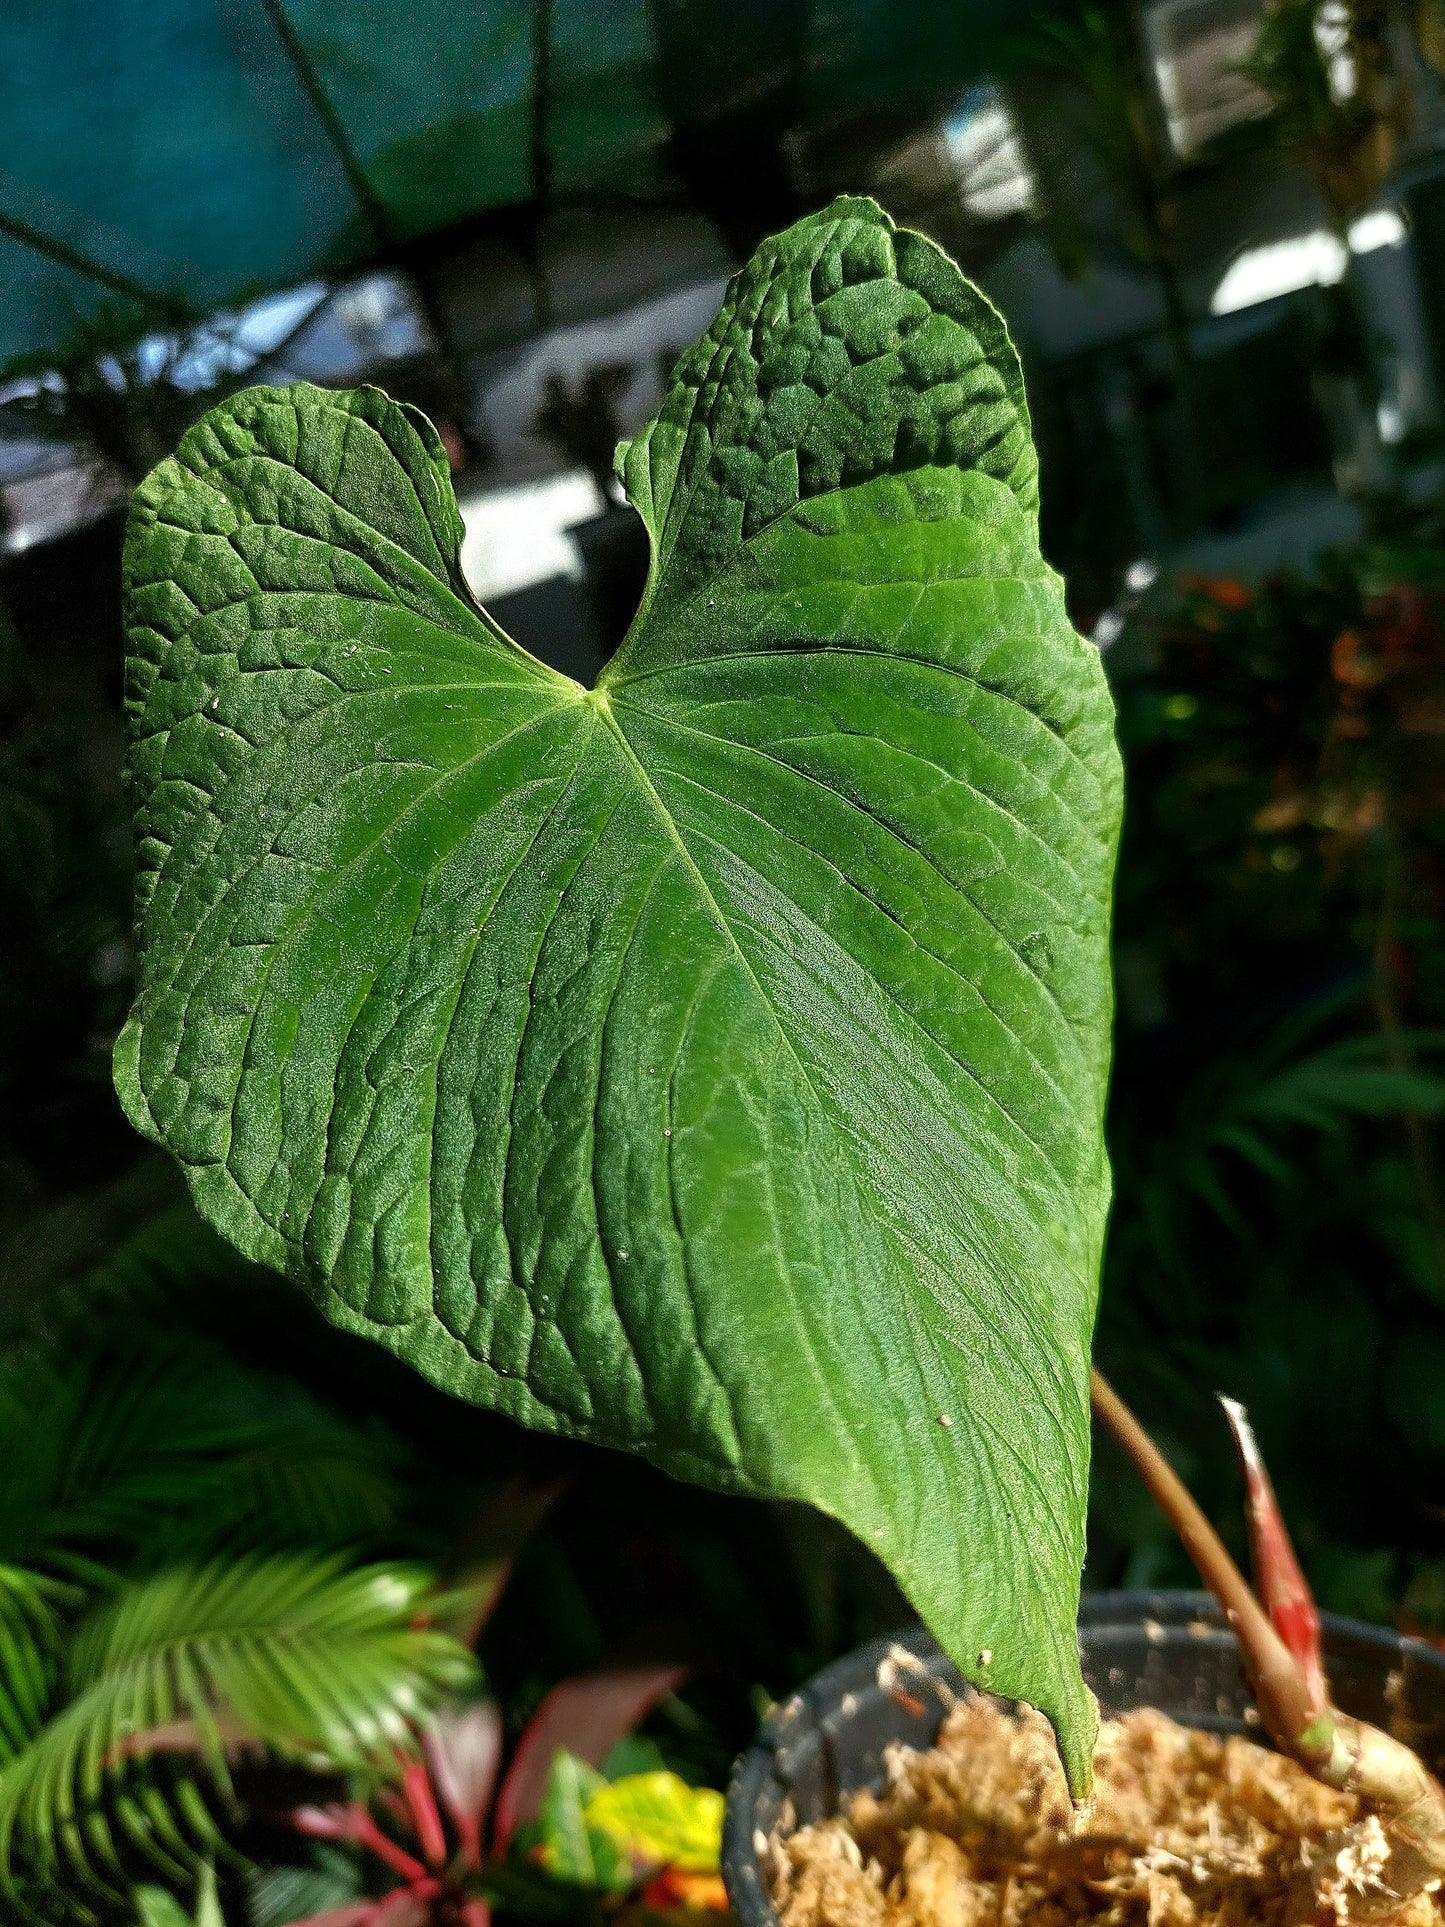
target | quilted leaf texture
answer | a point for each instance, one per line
(710, 1063)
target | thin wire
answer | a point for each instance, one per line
(372, 206)
(69, 257)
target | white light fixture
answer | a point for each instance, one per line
(1390, 421)
(516, 537)
(982, 138)
(1281, 267)
(1107, 630)
(1197, 49)
(1314, 260)
(1382, 227)
(1332, 37)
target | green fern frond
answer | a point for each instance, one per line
(1359, 1077)
(131, 1455)
(313, 1480)
(277, 1896)
(30, 1648)
(295, 1653)
(157, 1908)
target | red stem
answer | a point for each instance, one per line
(368, 1834)
(1285, 1702)
(416, 1785)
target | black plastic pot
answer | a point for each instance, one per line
(1169, 1650)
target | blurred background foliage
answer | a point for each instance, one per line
(1277, 1231)
(1217, 228)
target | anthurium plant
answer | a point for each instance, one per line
(709, 1063)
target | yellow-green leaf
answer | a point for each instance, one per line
(658, 1820)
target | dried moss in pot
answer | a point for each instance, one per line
(1185, 1829)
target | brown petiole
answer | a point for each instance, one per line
(1337, 1749)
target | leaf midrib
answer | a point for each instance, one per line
(669, 721)
(674, 835)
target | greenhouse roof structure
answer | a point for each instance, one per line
(161, 162)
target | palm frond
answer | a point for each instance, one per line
(313, 1480)
(307, 1658)
(158, 1908)
(277, 1896)
(146, 1451)
(30, 1649)
(1360, 1077)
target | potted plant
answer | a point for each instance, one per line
(709, 1063)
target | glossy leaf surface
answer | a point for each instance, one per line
(710, 1063)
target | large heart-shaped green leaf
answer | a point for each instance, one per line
(710, 1063)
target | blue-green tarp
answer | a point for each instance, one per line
(176, 157)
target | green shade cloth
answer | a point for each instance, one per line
(180, 156)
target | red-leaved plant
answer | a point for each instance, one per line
(449, 1819)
